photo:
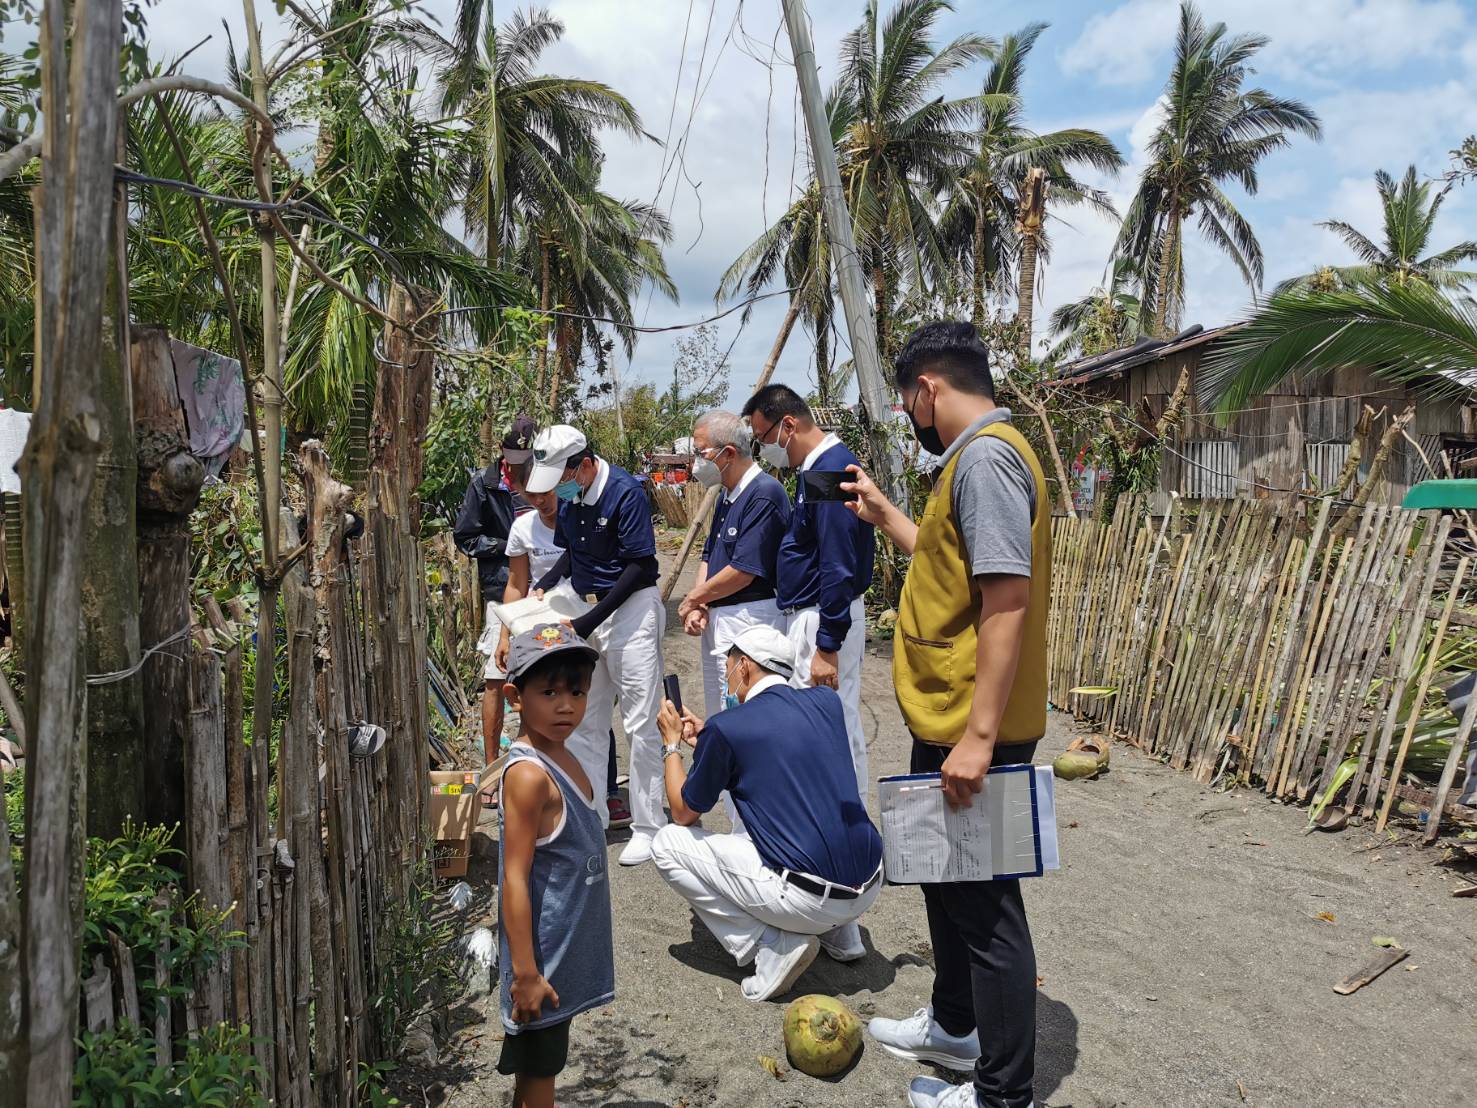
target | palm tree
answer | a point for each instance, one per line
(1409, 214)
(593, 267)
(797, 249)
(525, 129)
(1407, 330)
(1108, 317)
(902, 143)
(980, 214)
(1213, 131)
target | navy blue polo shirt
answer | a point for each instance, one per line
(746, 535)
(784, 757)
(825, 558)
(603, 536)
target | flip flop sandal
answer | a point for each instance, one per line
(1083, 758)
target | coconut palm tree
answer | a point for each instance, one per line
(980, 214)
(1409, 331)
(591, 268)
(1108, 317)
(1213, 131)
(1409, 214)
(902, 143)
(525, 129)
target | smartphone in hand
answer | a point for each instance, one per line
(672, 690)
(826, 484)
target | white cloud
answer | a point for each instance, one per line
(1331, 40)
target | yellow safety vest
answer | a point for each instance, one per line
(933, 651)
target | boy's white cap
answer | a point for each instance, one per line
(552, 449)
(765, 645)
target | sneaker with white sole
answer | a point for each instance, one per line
(781, 959)
(844, 943)
(920, 1039)
(638, 850)
(930, 1092)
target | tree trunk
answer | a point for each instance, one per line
(169, 480)
(563, 361)
(78, 86)
(545, 302)
(823, 359)
(884, 307)
(110, 599)
(1167, 269)
(1032, 217)
(977, 313)
(1063, 486)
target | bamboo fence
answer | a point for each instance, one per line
(1251, 641)
(309, 852)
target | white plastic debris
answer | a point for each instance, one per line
(482, 947)
(460, 896)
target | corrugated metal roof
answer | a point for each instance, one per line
(1143, 352)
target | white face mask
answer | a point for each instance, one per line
(774, 453)
(707, 472)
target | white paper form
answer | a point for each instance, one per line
(1009, 830)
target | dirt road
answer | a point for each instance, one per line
(1183, 948)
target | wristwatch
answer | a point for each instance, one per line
(668, 751)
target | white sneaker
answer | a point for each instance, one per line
(779, 962)
(844, 943)
(930, 1092)
(638, 850)
(920, 1039)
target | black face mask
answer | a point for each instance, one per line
(928, 437)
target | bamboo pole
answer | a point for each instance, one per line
(1422, 689)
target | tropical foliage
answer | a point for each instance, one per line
(1409, 211)
(1214, 131)
(1408, 331)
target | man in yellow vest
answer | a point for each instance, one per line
(969, 665)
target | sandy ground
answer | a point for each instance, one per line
(1182, 957)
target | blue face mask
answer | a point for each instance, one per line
(567, 490)
(730, 701)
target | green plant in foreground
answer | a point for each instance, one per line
(420, 958)
(118, 1069)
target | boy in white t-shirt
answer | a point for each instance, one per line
(531, 555)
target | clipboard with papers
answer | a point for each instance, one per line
(1008, 832)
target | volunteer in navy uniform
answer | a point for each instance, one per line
(735, 580)
(604, 529)
(811, 862)
(824, 564)
(481, 531)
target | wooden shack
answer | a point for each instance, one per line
(1294, 438)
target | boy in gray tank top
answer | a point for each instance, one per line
(554, 933)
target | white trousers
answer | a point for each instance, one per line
(630, 668)
(737, 896)
(802, 630)
(724, 625)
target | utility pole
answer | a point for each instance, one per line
(861, 324)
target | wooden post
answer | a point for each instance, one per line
(110, 602)
(169, 479)
(78, 84)
(205, 822)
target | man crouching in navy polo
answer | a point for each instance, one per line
(811, 861)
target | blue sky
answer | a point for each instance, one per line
(1391, 79)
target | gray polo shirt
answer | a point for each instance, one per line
(994, 500)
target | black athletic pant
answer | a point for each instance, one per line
(984, 963)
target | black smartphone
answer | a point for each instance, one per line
(822, 484)
(672, 690)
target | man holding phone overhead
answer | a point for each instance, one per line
(824, 562)
(735, 587)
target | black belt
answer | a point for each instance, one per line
(828, 888)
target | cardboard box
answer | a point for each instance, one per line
(454, 805)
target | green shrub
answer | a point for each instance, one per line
(118, 1069)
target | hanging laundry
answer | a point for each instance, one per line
(214, 399)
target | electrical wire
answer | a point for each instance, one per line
(95, 679)
(641, 328)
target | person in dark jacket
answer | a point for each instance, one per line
(481, 532)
